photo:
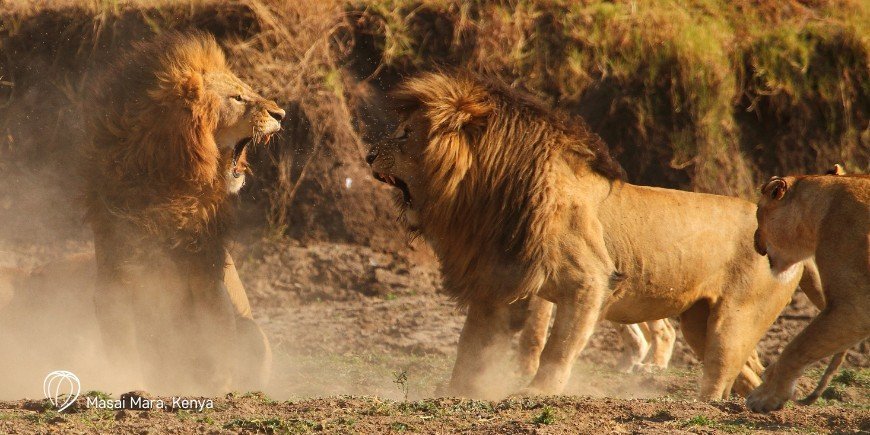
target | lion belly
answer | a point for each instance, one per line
(674, 248)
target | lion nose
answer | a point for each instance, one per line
(278, 114)
(371, 156)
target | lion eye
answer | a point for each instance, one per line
(238, 98)
(401, 133)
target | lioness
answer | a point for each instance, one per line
(170, 126)
(518, 201)
(827, 218)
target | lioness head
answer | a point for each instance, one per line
(778, 224)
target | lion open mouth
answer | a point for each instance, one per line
(397, 183)
(240, 153)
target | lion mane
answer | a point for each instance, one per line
(493, 229)
(153, 160)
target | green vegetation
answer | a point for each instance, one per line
(699, 420)
(707, 95)
(547, 416)
(853, 378)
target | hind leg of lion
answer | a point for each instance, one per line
(732, 333)
(693, 323)
(577, 313)
(835, 329)
(534, 335)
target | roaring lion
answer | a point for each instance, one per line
(170, 127)
(519, 201)
(826, 218)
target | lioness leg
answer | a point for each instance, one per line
(577, 312)
(635, 346)
(835, 329)
(485, 337)
(662, 337)
(534, 335)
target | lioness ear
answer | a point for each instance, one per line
(836, 170)
(775, 188)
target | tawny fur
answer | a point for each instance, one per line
(826, 218)
(162, 123)
(518, 201)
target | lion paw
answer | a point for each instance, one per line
(767, 398)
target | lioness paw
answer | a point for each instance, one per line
(766, 398)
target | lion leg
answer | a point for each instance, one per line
(216, 339)
(485, 337)
(663, 336)
(835, 363)
(835, 329)
(635, 346)
(693, 323)
(534, 335)
(253, 364)
(750, 375)
(577, 313)
(732, 334)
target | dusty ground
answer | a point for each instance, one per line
(349, 323)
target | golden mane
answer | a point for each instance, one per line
(488, 170)
(152, 159)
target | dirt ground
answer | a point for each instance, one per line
(362, 338)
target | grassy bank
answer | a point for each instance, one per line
(706, 95)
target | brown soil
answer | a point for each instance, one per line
(370, 415)
(346, 321)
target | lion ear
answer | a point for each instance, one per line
(775, 188)
(191, 87)
(466, 107)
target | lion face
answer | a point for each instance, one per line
(397, 161)
(245, 118)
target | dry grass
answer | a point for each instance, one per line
(707, 95)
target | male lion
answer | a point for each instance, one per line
(827, 218)
(170, 125)
(517, 201)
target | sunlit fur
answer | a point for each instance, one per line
(826, 218)
(163, 122)
(489, 209)
(517, 200)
